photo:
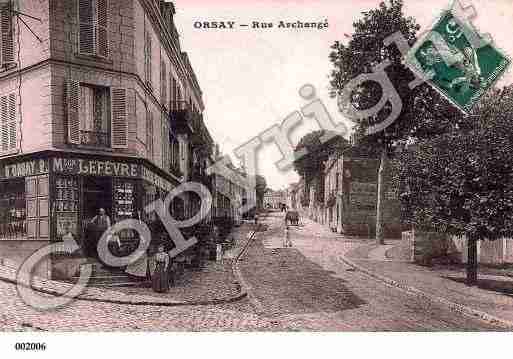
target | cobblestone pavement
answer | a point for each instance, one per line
(214, 281)
(305, 287)
(83, 315)
(308, 288)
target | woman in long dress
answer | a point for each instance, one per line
(160, 278)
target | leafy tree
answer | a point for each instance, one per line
(424, 112)
(312, 163)
(462, 182)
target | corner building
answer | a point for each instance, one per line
(99, 107)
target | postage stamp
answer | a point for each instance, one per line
(457, 61)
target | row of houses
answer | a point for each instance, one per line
(344, 196)
(99, 108)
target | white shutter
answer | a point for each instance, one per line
(8, 124)
(86, 37)
(102, 31)
(4, 118)
(73, 111)
(7, 36)
(119, 127)
(13, 133)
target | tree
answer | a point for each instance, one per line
(424, 113)
(461, 182)
(311, 165)
(261, 187)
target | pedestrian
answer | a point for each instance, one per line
(100, 222)
(286, 240)
(160, 278)
(256, 218)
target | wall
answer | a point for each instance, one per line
(14, 252)
(64, 35)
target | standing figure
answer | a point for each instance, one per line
(101, 222)
(160, 278)
(286, 239)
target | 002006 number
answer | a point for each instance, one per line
(30, 346)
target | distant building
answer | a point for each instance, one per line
(351, 186)
(275, 199)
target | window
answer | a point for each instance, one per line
(163, 83)
(166, 150)
(149, 134)
(147, 58)
(6, 36)
(172, 91)
(13, 216)
(8, 126)
(94, 116)
(175, 155)
(93, 27)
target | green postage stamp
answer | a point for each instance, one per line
(456, 61)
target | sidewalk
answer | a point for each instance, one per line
(214, 283)
(493, 295)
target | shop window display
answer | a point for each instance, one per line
(13, 216)
(67, 206)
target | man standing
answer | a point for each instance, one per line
(101, 222)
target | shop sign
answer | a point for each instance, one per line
(95, 167)
(24, 169)
(156, 180)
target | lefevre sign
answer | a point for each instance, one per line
(24, 169)
(89, 167)
(86, 167)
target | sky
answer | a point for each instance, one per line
(250, 77)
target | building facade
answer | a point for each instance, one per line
(351, 186)
(275, 199)
(101, 110)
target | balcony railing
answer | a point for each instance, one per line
(95, 138)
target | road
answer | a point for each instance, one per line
(302, 288)
(309, 288)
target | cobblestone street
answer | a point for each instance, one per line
(309, 288)
(305, 287)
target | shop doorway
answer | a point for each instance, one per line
(97, 194)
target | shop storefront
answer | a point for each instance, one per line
(43, 199)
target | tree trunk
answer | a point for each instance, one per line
(380, 233)
(471, 260)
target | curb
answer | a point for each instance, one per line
(248, 289)
(453, 306)
(216, 301)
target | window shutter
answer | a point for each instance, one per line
(171, 91)
(7, 36)
(149, 134)
(119, 132)
(4, 117)
(86, 22)
(148, 58)
(163, 83)
(102, 30)
(73, 111)
(13, 138)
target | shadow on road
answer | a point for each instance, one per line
(286, 282)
